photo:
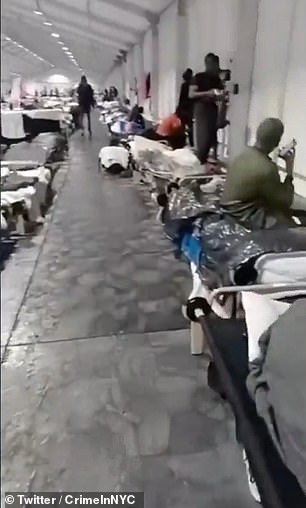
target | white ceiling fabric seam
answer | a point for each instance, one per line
(95, 31)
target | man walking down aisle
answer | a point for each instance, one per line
(86, 102)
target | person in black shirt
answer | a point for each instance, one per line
(113, 93)
(86, 102)
(206, 90)
(136, 117)
(186, 104)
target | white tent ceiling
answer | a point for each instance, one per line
(94, 31)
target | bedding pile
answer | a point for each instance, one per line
(277, 355)
(229, 251)
(27, 174)
(159, 159)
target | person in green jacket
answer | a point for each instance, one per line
(254, 194)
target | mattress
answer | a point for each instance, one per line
(281, 268)
(12, 125)
(38, 150)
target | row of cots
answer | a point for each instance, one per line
(238, 275)
(28, 171)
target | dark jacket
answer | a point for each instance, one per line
(185, 103)
(277, 385)
(85, 96)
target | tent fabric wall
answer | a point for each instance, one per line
(278, 87)
(147, 51)
(270, 61)
(267, 63)
(294, 105)
(167, 32)
(138, 62)
(129, 76)
(212, 27)
(115, 78)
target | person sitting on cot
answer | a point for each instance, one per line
(254, 193)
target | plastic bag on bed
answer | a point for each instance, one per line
(188, 202)
(230, 251)
(215, 232)
(243, 256)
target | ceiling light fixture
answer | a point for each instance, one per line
(61, 43)
(64, 48)
(39, 13)
(29, 51)
(47, 23)
(55, 35)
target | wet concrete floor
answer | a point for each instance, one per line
(99, 391)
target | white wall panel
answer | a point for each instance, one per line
(115, 78)
(167, 32)
(138, 62)
(130, 66)
(242, 73)
(147, 51)
(270, 60)
(212, 27)
(279, 76)
(294, 114)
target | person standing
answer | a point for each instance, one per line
(86, 102)
(186, 104)
(206, 90)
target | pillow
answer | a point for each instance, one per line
(260, 313)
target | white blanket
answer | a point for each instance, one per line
(12, 124)
(176, 163)
(30, 198)
(43, 174)
(182, 163)
(3, 222)
(281, 268)
(4, 171)
(145, 149)
(110, 155)
(46, 114)
(22, 165)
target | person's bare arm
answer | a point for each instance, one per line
(289, 158)
(195, 94)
